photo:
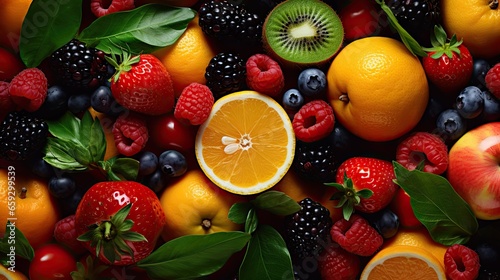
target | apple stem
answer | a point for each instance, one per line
(493, 4)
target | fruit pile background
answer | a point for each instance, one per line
(395, 149)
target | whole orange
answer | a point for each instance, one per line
(195, 205)
(377, 88)
(187, 59)
(477, 22)
(12, 15)
(26, 201)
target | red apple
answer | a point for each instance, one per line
(474, 170)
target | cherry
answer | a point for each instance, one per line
(360, 19)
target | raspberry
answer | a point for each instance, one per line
(130, 134)
(65, 233)
(264, 75)
(356, 235)
(492, 80)
(314, 121)
(97, 6)
(28, 89)
(336, 263)
(426, 147)
(461, 262)
(6, 103)
(194, 104)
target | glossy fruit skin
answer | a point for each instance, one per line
(359, 18)
(61, 186)
(55, 104)
(384, 221)
(401, 206)
(312, 82)
(491, 111)
(10, 65)
(104, 199)
(292, 100)
(168, 133)
(470, 102)
(52, 261)
(370, 173)
(172, 163)
(148, 81)
(450, 125)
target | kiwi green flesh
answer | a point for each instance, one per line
(303, 32)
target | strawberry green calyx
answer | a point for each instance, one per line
(441, 45)
(111, 236)
(348, 197)
(127, 61)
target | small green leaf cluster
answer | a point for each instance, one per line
(80, 145)
(196, 256)
(141, 30)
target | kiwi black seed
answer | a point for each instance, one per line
(302, 32)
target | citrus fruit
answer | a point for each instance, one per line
(377, 88)
(194, 205)
(12, 15)
(6, 274)
(247, 143)
(403, 262)
(34, 211)
(477, 22)
(187, 59)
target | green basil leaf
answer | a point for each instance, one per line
(81, 154)
(127, 167)
(447, 217)
(239, 211)
(276, 202)
(56, 155)
(266, 257)
(193, 256)
(252, 221)
(141, 30)
(47, 26)
(97, 141)
(85, 127)
(15, 243)
(66, 127)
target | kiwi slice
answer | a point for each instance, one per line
(303, 32)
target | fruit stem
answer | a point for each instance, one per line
(493, 4)
(206, 224)
(108, 230)
(22, 195)
(344, 98)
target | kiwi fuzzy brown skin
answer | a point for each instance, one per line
(323, 53)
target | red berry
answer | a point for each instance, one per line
(130, 134)
(356, 235)
(28, 89)
(461, 263)
(264, 75)
(6, 103)
(338, 264)
(314, 121)
(423, 146)
(65, 233)
(492, 80)
(99, 10)
(194, 104)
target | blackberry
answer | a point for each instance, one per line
(418, 17)
(21, 135)
(222, 19)
(225, 73)
(315, 160)
(306, 233)
(78, 66)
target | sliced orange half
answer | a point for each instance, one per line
(403, 262)
(247, 143)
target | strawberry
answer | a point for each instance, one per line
(141, 83)
(119, 221)
(364, 184)
(448, 64)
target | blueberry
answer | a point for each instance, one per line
(292, 100)
(78, 103)
(384, 221)
(480, 68)
(172, 163)
(311, 82)
(102, 99)
(491, 111)
(156, 181)
(450, 125)
(470, 102)
(41, 168)
(148, 162)
(55, 104)
(61, 187)
(69, 204)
